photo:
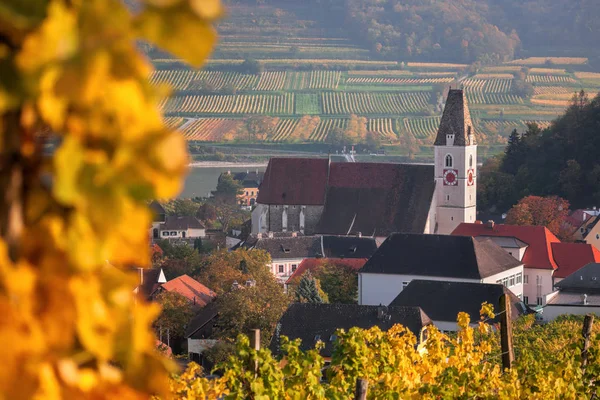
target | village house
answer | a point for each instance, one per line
(198, 294)
(250, 181)
(150, 280)
(442, 301)
(589, 232)
(185, 227)
(199, 333)
(577, 294)
(404, 257)
(376, 199)
(319, 322)
(545, 259)
(288, 250)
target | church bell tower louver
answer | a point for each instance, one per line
(455, 165)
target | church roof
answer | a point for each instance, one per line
(294, 181)
(456, 120)
(377, 199)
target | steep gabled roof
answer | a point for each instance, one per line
(539, 252)
(249, 179)
(190, 288)
(294, 181)
(157, 208)
(311, 264)
(312, 322)
(456, 120)
(571, 256)
(439, 255)
(150, 280)
(377, 199)
(206, 315)
(584, 280)
(181, 223)
(442, 301)
(348, 247)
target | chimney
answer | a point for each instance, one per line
(381, 312)
(294, 234)
(270, 234)
(359, 234)
(490, 224)
(584, 300)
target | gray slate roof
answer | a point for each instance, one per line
(290, 247)
(206, 315)
(439, 255)
(181, 223)
(584, 280)
(442, 301)
(312, 322)
(348, 247)
(456, 120)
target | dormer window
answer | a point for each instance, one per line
(449, 161)
(450, 139)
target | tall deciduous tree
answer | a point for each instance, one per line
(550, 212)
(71, 325)
(224, 202)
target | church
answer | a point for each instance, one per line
(317, 196)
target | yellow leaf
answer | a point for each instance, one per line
(68, 162)
(172, 29)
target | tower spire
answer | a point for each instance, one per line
(456, 127)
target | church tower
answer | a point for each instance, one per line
(455, 165)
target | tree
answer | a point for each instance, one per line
(373, 141)
(177, 311)
(181, 207)
(550, 212)
(261, 127)
(513, 154)
(307, 291)
(73, 68)
(224, 203)
(257, 302)
(339, 282)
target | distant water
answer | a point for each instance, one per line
(201, 181)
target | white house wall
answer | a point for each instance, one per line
(517, 288)
(552, 311)
(376, 289)
(198, 346)
(530, 289)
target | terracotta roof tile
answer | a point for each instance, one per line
(570, 257)
(191, 289)
(539, 252)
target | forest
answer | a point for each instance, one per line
(560, 160)
(466, 31)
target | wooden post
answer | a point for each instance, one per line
(508, 354)
(588, 321)
(362, 386)
(256, 345)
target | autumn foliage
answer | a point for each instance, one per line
(550, 212)
(72, 224)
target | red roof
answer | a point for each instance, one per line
(294, 181)
(191, 289)
(312, 264)
(539, 252)
(572, 256)
(363, 175)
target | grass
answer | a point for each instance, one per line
(307, 104)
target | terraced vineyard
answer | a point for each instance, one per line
(232, 104)
(383, 126)
(373, 103)
(195, 80)
(209, 129)
(422, 128)
(325, 126)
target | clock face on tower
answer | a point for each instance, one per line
(450, 177)
(470, 177)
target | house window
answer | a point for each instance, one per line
(511, 281)
(539, 301)
(451, 218)
(448, 197)
(526, 299)
(173, 233)
(519, 278)
(505, 282)
(246, 193)
(281, 267)
(499, 281)
(510, 252)
(526, 279)
(449, 161)
(165, 233)
(470, 159)
(294, 266)
(597, 235)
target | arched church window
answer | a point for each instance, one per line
(449, 161)
(471, 161)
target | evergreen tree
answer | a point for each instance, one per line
(307, 291)
(511, 161)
